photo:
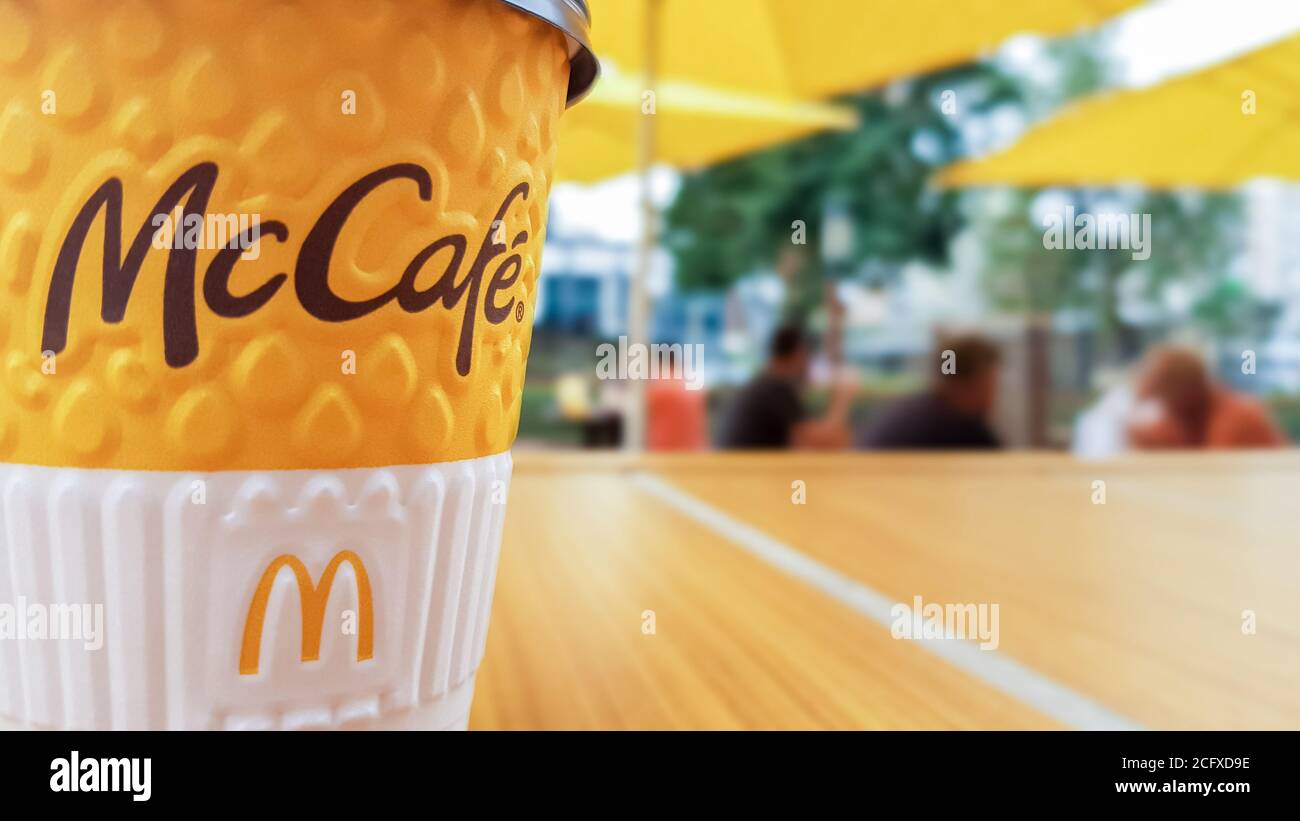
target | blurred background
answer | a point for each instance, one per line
(698, 207)
(861, 225)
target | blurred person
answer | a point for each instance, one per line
(769, 412)
(1101, 430)
(1191, 410)
(677, 417)
(953, 412)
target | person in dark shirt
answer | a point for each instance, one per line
(768, 412)
(953, 412)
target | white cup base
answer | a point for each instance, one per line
(303, 599)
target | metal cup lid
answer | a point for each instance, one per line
(574, 19)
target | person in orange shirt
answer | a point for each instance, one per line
(1196, 412)
(677, 417)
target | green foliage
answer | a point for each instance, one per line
(1193, 239)
(740, 216)
(732, 218)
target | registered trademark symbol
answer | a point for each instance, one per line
(519, 312)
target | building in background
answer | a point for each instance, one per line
(584, 285)
(1273, 253)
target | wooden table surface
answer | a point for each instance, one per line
(1134, 607)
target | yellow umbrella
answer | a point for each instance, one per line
(816, 48)
(1212, 129)
(695, 125)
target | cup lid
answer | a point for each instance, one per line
(574, 19)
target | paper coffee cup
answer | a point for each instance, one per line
(268, 273)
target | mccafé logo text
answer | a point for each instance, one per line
(313, 598)
(476, 290)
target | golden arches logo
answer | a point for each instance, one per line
(313, 598)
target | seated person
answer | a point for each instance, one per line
(952, 412)
(1192, 411)
(676, 416)
(1101, 429)
(768, 412)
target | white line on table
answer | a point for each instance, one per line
(999, 671)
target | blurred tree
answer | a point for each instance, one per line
(767, 209)
(1194, 237)
(1193, 241)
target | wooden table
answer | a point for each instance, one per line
(1133, 607)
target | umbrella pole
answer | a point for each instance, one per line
(634, 429)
